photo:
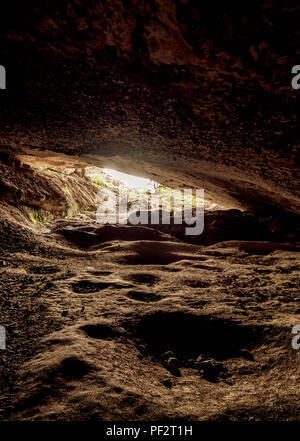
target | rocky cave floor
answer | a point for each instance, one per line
(86, 328)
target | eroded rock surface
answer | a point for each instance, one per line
(189, 94)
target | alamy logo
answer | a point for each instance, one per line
(296, 78)
(2, 338)
(2, 77)
(178, 208)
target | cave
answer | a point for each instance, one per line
(146, 317)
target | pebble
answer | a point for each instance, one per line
(191, 362)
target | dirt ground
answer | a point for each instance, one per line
(88, 329)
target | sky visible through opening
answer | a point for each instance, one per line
(130, 181)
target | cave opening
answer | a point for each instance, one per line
(49, 191)
(120, 109)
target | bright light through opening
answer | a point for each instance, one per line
(130, 181)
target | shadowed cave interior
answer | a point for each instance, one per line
(143, 322)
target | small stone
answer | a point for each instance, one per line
(167, 382)
(172, 363)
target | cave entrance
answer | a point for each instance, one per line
(124, 198)
(109, 178)
(130, 181)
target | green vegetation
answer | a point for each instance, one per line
(135, 196)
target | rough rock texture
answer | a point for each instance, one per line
(91, 311)
(189, 93)
(109, 315)
(43, 194)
